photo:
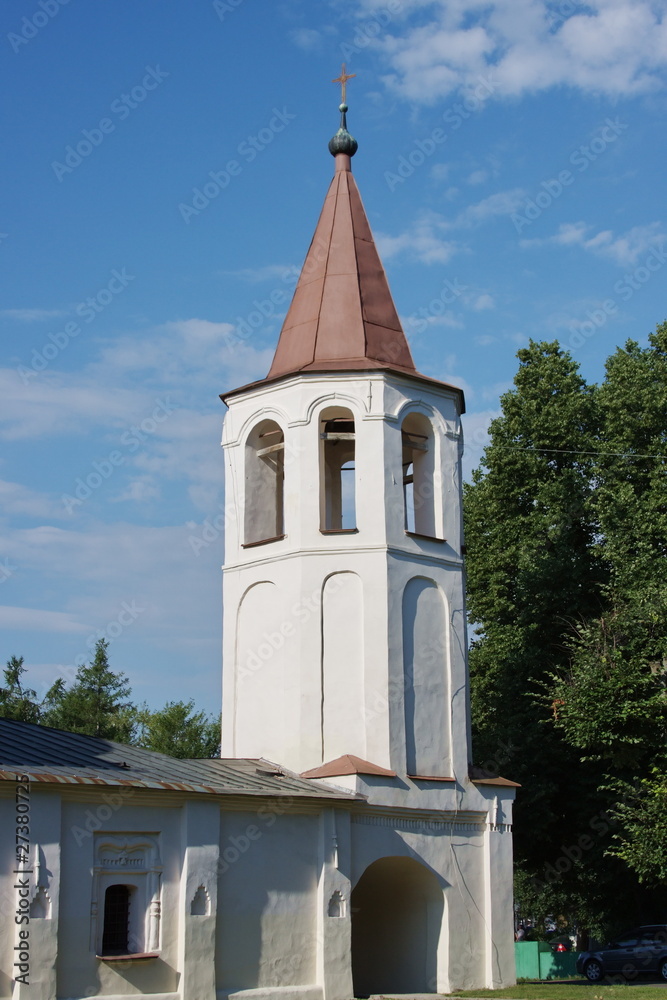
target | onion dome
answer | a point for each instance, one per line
(342, 141)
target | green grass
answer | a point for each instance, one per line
(577, 989)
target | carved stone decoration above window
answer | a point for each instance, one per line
(133, 861)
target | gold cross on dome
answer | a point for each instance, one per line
(342, 80)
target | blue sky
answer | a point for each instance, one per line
(165, 166)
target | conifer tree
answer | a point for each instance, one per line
(97, 703)
(17, 702)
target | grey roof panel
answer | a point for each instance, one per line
(60, 757)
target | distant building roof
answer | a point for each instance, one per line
(54, 756)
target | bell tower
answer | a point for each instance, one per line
(344, 604)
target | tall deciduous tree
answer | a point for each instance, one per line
(613, 697)
(533, 571)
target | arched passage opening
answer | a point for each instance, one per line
(397, 911)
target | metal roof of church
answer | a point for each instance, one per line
(54, 756)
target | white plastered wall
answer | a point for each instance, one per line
(280, 650)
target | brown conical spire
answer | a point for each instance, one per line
(342, 316)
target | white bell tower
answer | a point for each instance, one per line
(344, 604)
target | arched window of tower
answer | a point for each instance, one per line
(337, 471)
(264, 483)
(419, 476)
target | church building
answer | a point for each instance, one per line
(343, 845)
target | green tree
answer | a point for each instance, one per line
(533, 571)
(179, 731)
(612, 698)
(97, 703)
(16, 701)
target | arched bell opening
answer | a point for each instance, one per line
(419, 475)
(337, 470)
(264, 483)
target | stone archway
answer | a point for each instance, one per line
(397, 913)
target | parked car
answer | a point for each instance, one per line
(560, 942)
(637, 951)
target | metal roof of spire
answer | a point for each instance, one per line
(342, 316)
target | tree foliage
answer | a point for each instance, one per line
(613, 696)
(98, 703)
(179, 731)
(17, 702)
(566, 534)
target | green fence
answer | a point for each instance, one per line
(536, 960)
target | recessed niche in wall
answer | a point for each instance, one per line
(336, 905)
(200, 905)
(40, 908)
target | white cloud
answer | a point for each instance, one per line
(138, 490)
(626, 250)
(423, 241)
(284, 275)
(477, 177)
(440, 171)
(192, 354)
(54, 403)
(174, 586)
(612, 47)
(307, 39)
(39, 620)
(18, 499)
(484, 301)
(498, 204)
